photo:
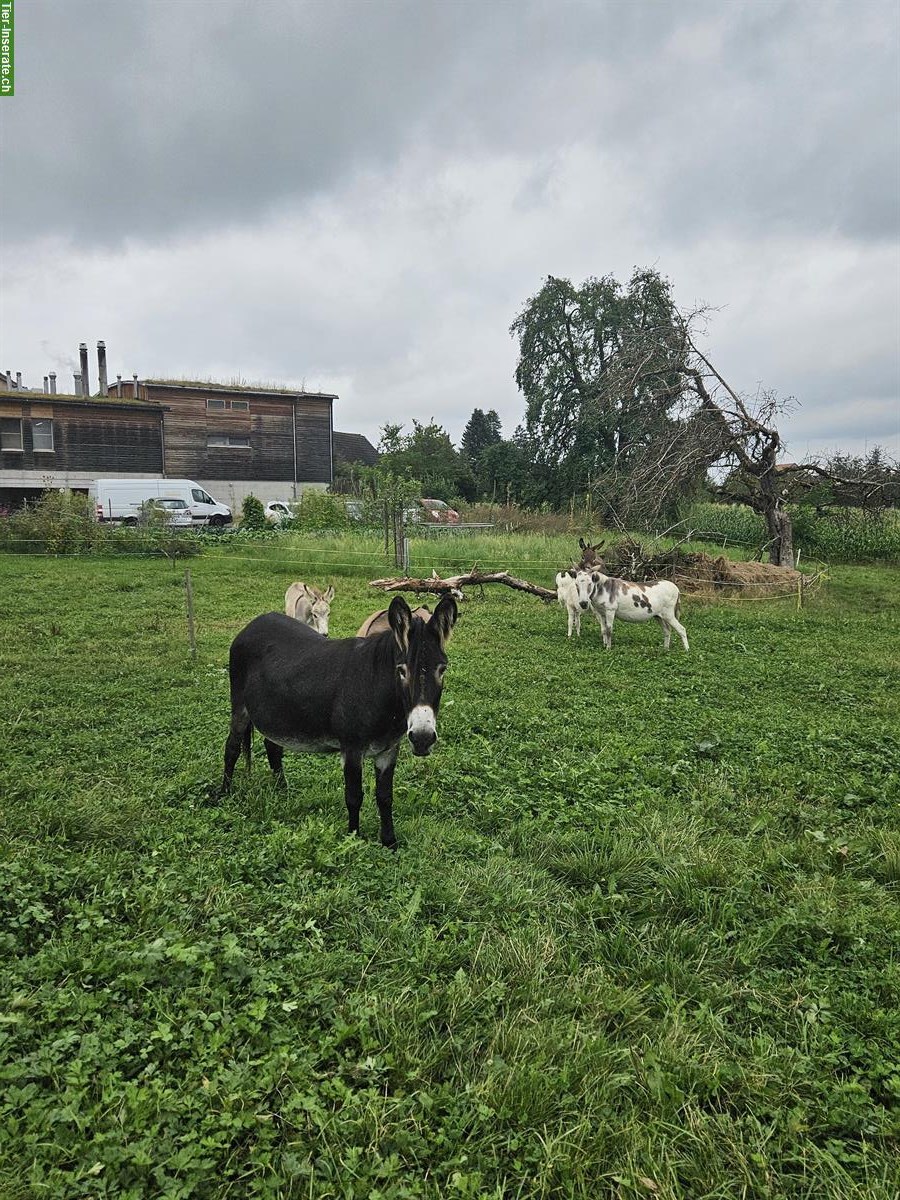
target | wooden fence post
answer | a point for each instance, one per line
(189, 591)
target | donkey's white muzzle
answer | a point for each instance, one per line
(421, 728)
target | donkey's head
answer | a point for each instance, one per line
(419, 662)
(319, 608)
(590, 555)
(584, 588)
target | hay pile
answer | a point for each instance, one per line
(704, 574)
(695, 573)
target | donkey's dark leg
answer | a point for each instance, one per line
(384, 795)
(238, 740)
(353, 789)
(275, 755)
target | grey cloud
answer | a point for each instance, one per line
(361, 196)
(147, 119)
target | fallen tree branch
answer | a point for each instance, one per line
(456, 583)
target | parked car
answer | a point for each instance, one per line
(168, 510)
(278, 511)
(433, 511)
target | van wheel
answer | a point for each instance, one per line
(216, 522)
(130, 521)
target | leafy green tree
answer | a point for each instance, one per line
(480, 434)
(392, 440)
(482, 430)
(427, 454)
(503, 473)
(601, 368)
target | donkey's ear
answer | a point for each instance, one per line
(329, 594)
(444, 618)
(400, 619)
(595, 578)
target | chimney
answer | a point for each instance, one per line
(52, 378)
(101, 367)
(19, 380)
(78, 388)
(46, 385)
(134, 377)
(85, 378)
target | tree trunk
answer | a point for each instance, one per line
(456, 583)
(781, 534)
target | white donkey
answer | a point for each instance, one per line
(573, 591)
(635, 602)
(309, 605)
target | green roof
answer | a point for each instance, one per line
(241, 385)
(66, 398)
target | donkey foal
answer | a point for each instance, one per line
(573, 591)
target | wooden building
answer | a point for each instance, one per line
(68, 441)
(232, 440)
(235, 440)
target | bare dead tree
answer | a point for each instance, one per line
(714, 426)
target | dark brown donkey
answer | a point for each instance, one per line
(355, 697)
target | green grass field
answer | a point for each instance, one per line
(640, 939)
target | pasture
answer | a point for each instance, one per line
(640, 938)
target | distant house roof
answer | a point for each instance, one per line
(354, 447)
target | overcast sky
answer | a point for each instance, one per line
(359, 197)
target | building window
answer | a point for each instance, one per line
(42, 434)
(219, 440)
(11, 433)
(222, 405)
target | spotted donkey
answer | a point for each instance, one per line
(612, 597)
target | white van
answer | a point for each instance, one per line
(124, 500)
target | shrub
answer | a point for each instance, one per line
(253, 515)
(319, 510)
(64, 523)
(56, 523)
